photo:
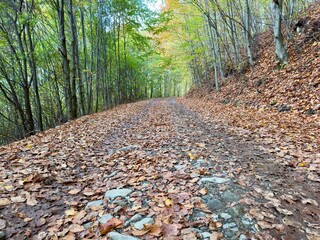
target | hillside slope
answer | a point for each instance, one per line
(280, 107)
(295, 87)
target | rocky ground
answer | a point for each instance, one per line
(158, 169)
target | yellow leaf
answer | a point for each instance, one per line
(303, 164)
(168, 202)
(192, 156)
(28, 146)
(71, 212)
(203, 191)
(4, 202)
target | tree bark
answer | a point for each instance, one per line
(281, 51)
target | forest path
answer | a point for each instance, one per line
(153, 169)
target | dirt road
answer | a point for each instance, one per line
(152, 170)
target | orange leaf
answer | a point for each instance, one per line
(203, 191)
(110, 225)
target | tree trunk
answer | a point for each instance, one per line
(73, 61)
(64, 56)
(281, 52)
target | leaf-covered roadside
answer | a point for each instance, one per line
(151, 170)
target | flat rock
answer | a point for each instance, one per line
(140, 225)
(118, 236)
(205, 235)
(127, 148)
(214, 204)
(230, 196)
(3, 224)
(229, 225)
(87, 225)
(242, 237)
(134, 219)
(105, 218)
(94, 204)
(225, 216)
(179, 167)
(3, 235)
(216, 180)
(114, 193)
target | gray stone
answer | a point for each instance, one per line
(225, 216)
(235, 229)
(215, 217)
(3, 235)
(114, 193)
(216, 180)
(179, 167)
(113, 174)
(127, 148)
(105, 218)
(200, 215)
(118, 236)
(229, 225)
(246, 222)
(194, 230)
(214, 204)
(87, 225)
(242, 237)
(230, 196)
(205, 235)
(94, 204)
(230, 235)
(134, 219)
(120, 202)
(140, 225)
(3, 224)
(117, 209)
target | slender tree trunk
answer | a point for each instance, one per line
(33, 68)
(247, 33)
(65, 61)
(85, 74)
(73, 61)
(281, 52)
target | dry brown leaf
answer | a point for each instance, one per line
(74, 191)
(4, 202)
(171, 230)
(75, 228)
(203, 191)
(139, 233)
(31, 201)
(215, 236)
(71, 212)
(110, 225)
(18, 199)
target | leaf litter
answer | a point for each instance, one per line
(139, 170)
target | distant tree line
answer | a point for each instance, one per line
(222, 36)
(61, 59)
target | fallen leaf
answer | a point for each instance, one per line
(75, 228)
(74, 191)
(203, 191)
(31, 201)
(4, 202)
(168, 202)
(310, 201)
(18, 199)
(110, 225)
(71, 212)
(215, 236)
(171, 230)
(140, 233)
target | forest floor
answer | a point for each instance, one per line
(161, 169)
